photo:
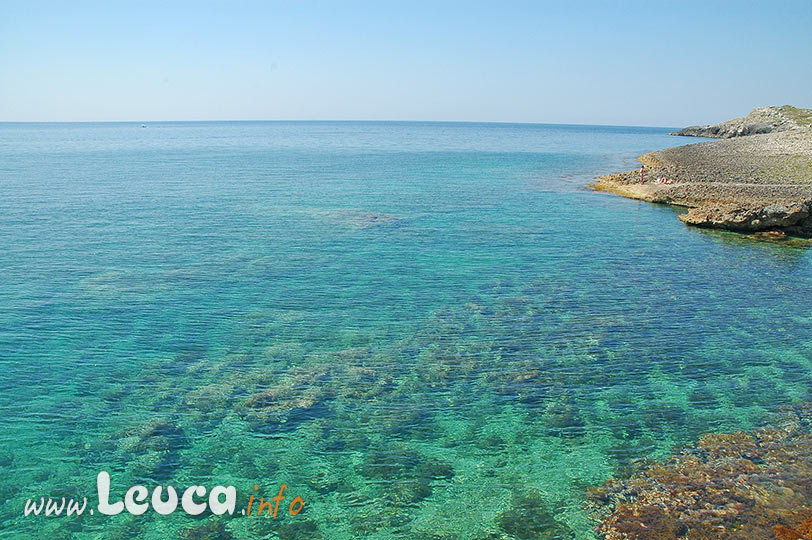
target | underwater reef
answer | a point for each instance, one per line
(729, 486)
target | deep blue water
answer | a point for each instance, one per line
(425, 330)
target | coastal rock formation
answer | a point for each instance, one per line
(756, 183)
(730, 486)
(773, 216)
(760, 120)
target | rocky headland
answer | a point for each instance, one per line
(757, 177)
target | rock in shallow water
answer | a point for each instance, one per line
(528, 518)
(212, 530)
(737, 218)
(730, 486)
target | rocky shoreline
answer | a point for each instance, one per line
(756, 178)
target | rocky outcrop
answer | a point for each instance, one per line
(752, 219)
(761, 182)
(761, 120)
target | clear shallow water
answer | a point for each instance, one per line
(426, 331)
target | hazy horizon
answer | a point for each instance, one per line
(586, 63)
(147, 123)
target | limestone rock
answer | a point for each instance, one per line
(760, 120)
(758, 218)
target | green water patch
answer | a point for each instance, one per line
(490, 421)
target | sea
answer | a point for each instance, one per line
(427, 331)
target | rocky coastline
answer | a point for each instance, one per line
(756, 178)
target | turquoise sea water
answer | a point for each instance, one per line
(427, 331)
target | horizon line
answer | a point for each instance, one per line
(494, 122)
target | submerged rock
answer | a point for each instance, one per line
(6, 458)
(391, 463)
(153, 450)
(395, 463)
(729, 486)
(299, 397)
(298, 530)
(529, 519)
(368, 220)
(801, 532)
(409, 491)
(435, 469)
(409, 476)
(213, 530)
(564, 420)
(770, 235)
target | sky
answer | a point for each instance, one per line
(656, 63)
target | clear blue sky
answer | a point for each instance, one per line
(666, 63)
